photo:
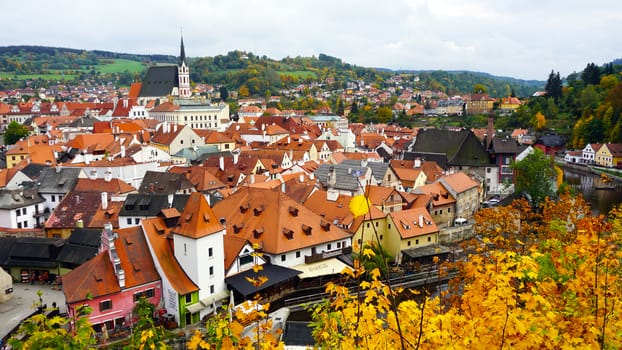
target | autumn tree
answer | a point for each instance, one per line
(535, 176)
(41, 332)
(480, 89)
(539, 121)
(146, 334)
(562, 292)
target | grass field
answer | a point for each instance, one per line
(108, 66)
(121, 65)
(300, 74)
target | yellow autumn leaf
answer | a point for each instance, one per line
(359, 205)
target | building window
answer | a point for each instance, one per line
(246, 259)
(185, 249)
(211, 289)
(416, 241)
(188, 298)
(376, 223)
(129, 221)
(105, 305)
(381, 237)
(25, 224)
(298, 254)
(148, 293)
(211, 271)
(18, 212)
(210, 252)
(19, 225)
(329, 246)
(181, 142)
(136, 221)
(53, 198)
(338, 245)
(409, 243)
(283, 257)
(429, 239)
(389, 226)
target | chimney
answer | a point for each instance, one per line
(174, 127)
(104, 200)
(221, 163)
(122, 151)
(490, 131)
(58, 168)
(417, 163)
(252, 179)
(125, 102)
(235, 157)
(420, 220)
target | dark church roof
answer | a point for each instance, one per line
(159, 81)
(449, 148)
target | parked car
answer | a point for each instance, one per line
(460, 221)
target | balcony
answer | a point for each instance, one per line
(315, 257)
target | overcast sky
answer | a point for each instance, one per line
(522, 39)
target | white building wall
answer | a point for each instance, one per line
(194, 257)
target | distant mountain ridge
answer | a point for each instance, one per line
(239, 69)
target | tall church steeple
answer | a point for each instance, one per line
(184, 73)
(182, 52)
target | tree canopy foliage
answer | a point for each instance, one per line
(14, 132)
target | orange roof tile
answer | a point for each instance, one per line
(460, 182)
(156, 232)
(198, 219)
(275, 221)
(96, 277)
(413, 222)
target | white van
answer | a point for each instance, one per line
(460, 221)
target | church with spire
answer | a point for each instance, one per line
(163, 82)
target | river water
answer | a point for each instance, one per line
(601, 200)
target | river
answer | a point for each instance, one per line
(602, 201)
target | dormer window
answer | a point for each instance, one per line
(293, 211)
(289, 234)
(325, 225)
(257, 210)
(257, 232)
(306, 229)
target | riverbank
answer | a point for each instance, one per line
(613, 174)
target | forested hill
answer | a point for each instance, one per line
(456, 82)
(237, 69)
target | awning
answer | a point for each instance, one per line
(276, 274)
(210, 299)
(194, 308)
(326, 267)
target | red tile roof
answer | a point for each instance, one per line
(268, 217)
(156, 232)
(96, 277)
(198, 219)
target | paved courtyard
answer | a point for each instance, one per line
(23, 303)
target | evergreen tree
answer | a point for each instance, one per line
(553, 86)
(224, 93)
(591, 74)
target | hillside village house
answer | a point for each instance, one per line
(114, 280)
(609, 155)
(172, 138)
(288, 234)
(589, 152)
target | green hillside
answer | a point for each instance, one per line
(42, 66)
